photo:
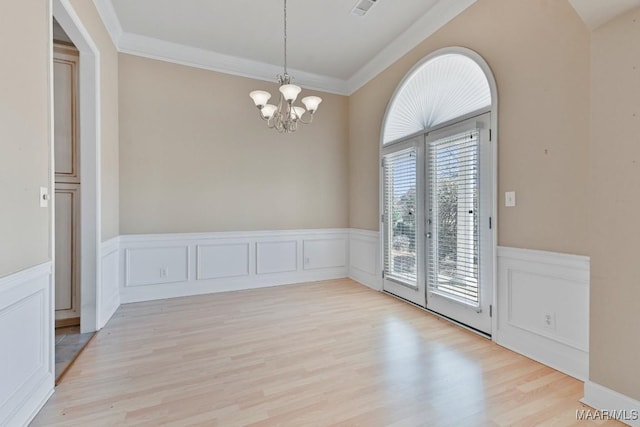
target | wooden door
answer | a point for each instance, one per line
(67, 186)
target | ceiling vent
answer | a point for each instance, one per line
(362, 7)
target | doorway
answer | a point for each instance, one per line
(75, 159)
(69, 341)
(89, 158)
(438, 187)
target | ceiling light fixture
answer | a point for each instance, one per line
(285, 116)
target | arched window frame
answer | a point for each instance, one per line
(405, 142)
(455, 50)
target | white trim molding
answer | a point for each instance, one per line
(148, 47)
(109, 291)
(158, 266)
(364, 265)
(543, 308)
(612, 404)
(26, 334)
(135, 44)
(437, 17)
(110, 20)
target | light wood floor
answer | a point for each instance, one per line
(326, 353)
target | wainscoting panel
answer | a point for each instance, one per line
(26, 336)
(220, 260)
(200, 263)
(109, 295)
(146, 266)
(324, 253)
(364, 255)
(543, 308)
(276, 257)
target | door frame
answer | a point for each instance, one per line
(479, 60)
(90, 173)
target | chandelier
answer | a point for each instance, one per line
(285, 116)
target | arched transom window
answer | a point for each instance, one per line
(437, 91)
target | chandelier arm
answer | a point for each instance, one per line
(301, 120)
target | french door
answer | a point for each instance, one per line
(403, 221)
(438, 248)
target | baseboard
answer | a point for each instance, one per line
(611, 404)
(543, 308)
(364, 255)
(174, 265)
(26, 334)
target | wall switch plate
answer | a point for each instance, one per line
(510, 199)
(44, 197)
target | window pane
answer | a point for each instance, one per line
(453, 216)
(400, 216)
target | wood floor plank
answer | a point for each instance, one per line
(317, 354)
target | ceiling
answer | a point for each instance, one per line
(597, 12)
(329, 48)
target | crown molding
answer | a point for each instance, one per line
(148, 47)
(437, 17)
(110, 20)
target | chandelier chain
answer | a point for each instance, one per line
(285, 37)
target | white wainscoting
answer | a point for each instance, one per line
(543, 308)
(109, 293)
(364, 256)
(26, 342)
(172, 265)
(626, 409)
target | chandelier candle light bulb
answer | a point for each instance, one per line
(285, 116)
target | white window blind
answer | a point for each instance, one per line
(453, 217)
(400, 216)
(443, 88)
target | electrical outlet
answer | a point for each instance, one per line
(550, 320)
(164, 272)
(307, 260)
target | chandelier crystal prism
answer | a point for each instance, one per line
(285, 116)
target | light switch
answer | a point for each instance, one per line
(510, 199)
(44, 197)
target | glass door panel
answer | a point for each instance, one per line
(458, 209)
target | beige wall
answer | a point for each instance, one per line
(194, 156)
(109, 116)
(24, 134)
(614, 207)
(539, 53)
